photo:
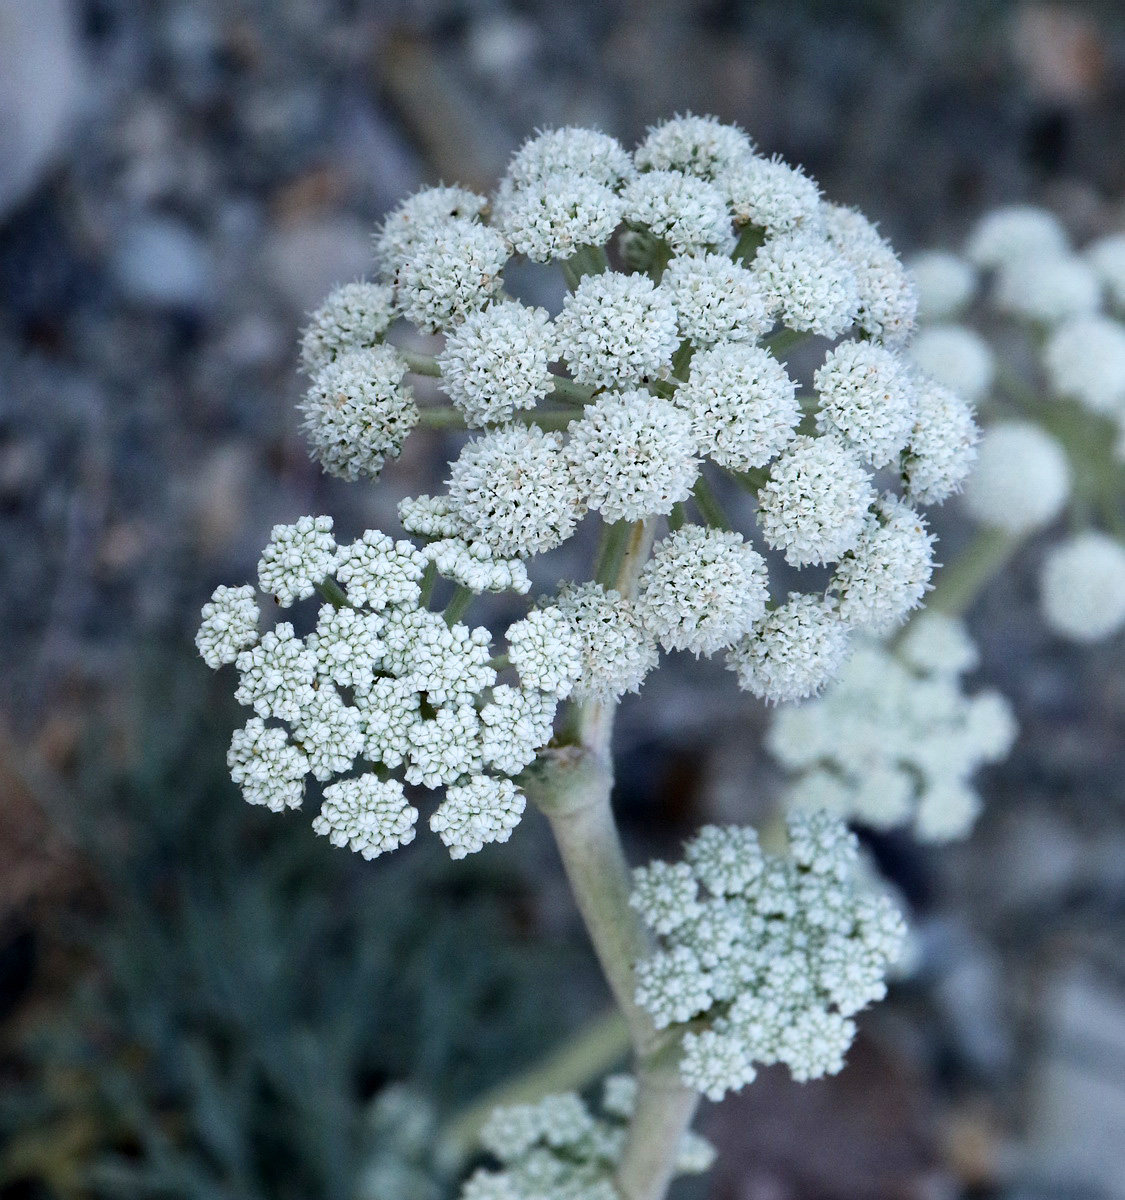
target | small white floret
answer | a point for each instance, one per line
(957, 357)
(617, 652)
(701, 146)
(632, 455)
(808, 282)
(513, 491)
(517, 723)
(702, 589)
(771, 195)
(354, 317)
(617, 329)
(743, 405)
(1021, 481)
(230, 624)
(297, 558)
(793, 651)
(496, 361)
(418, 218)
(479, 811)
(377, 572)
(277, 675)
(1047, 289)
(686, 212)
(1083, 587)
(546, 651)
(716, 300)
(555, 217)
(943, 444)
(267, 766)
(571, 151)
(867, 394)
(368, 814)
(1085, 361)
(815, 503)
(453, 272)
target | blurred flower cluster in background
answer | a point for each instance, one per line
(199, 1000)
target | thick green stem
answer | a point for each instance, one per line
(333, 593)
(441, 418)
(420, 364)
(664, 1109)
(460, 600)
(749, 243)
(982, 560)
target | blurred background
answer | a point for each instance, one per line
(202, 1000)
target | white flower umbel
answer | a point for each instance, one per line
(701, 146)
(368, 814)
(943, 444)
(546, 651)
(809, 282)
(418, 217)
(816, 500)
(496, 361)
(895, 739)
(557, 1149)
(477, 812)
(1082, 586)
(377, 571)
(448, 662)
(688, 213)
(1021, 481)
(617, 651)
(792, 651)
(632, 455)
(867, 395)
(446, 747)
(702, 590)
(454, 271)
(357, 412)
(331, 732)
(297, 558)
(957, 357)
(716, 300)
(769, 967)
(743, 405)
(571, 151)
(945, 282)
(1047, 289)
(390, 709)
(770, 195)
(268, 768)
(347, 646)
(887, 573)
(513, 491)
(555, 217)
(1085, 361)
(354, 317)
(230, 624)
(616, 329)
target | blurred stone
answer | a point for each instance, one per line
(1062, 50)
(1076, 1128)
(309, 258)
(160, 261)
(40, 88)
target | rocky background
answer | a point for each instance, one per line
(200, 1001)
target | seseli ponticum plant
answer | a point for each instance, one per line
(660, 387)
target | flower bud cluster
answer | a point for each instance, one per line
(895, 740)
(687, 259)
(557, 1147)
(1059, 361)
(384, 692)
(764, 958)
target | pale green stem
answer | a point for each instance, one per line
(708, 505)
(589, 1054)
(460, 600)
(749, 243)
(980, 562)
(587, 260)
(429, 578)
(499, 662)
(420, 364)
(333, 593)
(441, 418)
(784, 339)
(566, 389)
(664, 1109)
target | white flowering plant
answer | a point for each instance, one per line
(1034, 329)
(693, 264)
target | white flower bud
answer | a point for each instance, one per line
(617, 653)
(1085, 361)
(809, 282)
(943, 444)
(377, 571)
(716, 300)
(771, 195)
(354, 317)
(479, 811)
(418, 218)
(546, 650)
(453, 272)
(230, 624)
(269, 769)
(1047, 289)
(701, 146)
(686, 212)
(297, 558)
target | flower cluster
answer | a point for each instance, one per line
(558, 1148)
(384, 692)
(691, 261)
(764, 958)
(1057, 363)
(895, 740)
